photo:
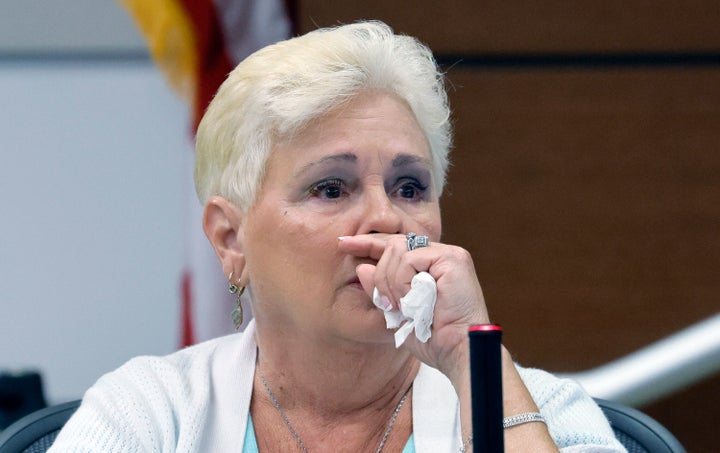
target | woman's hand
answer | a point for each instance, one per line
(459, 304)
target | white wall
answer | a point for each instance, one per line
(92, 182)
(66, 26)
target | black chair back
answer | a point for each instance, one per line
(21, 393)
(36, 432)
(638, 432)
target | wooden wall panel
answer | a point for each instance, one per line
(475, 26)
(588, 198)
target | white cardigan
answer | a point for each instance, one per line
(198, 400)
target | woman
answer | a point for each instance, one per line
(315, 160)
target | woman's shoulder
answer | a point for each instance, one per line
(181, 361)
(183, 374)
(158, 375)
(155, 400)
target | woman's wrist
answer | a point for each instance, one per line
(456, 363)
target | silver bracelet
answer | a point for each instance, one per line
(466, 444)
(519, 419)
(508, 422)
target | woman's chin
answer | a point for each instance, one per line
(357, 319)
(369, 326)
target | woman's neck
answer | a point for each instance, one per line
(331, 378)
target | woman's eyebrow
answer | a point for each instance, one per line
(342, 157)
(408, 159)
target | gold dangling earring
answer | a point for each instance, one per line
(237, 312)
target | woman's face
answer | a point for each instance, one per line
(363, 168)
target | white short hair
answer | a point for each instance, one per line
(277, 90)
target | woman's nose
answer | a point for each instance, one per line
(380, 215)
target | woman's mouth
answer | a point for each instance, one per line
(354, 282)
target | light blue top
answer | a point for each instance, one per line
(250, 444)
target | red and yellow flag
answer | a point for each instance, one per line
(196, 43)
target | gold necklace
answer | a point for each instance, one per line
(294, 433)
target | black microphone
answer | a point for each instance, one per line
(486, 388)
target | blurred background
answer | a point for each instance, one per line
(585, 181)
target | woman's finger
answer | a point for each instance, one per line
(366, 274)
(387, 269)
(364, 245)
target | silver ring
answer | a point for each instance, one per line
(414, 241)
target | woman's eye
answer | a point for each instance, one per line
(411, 190)
(331, 188)
(407, 191)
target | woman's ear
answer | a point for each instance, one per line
(222, 223)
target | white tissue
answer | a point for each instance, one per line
(416, 308)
